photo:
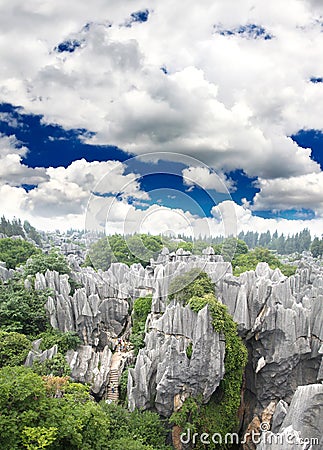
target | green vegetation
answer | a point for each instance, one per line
(220, 414)
(189, 350)
(138, 248)
(50, 261)
(231, 248)
(56, 366)
(65, 341)
(140, 430)
(123, 386)
(57, 414)
(317, 247)
(14, 348)
(141, 309)
(191, 283)
(38, 437)
(282, 244)
(47, 261)
(15, 252)
(42, 409)
(15, 228)
(242, 263)
(22, 310)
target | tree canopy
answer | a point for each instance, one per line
(15, 252)
(55, 413)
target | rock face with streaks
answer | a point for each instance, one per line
(280, 319)
(90, 366)
(5, 274)
(164, 372)
(36, 354)
(90, 311)
(98, 312)
(302, 425)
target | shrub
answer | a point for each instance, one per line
(191, 283)
(65, 341)
(15, 252)
(22, 310)
(141, 309)
(14, 348)
(242, 263)
(47, 261)
(56, 366)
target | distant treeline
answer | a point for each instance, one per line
(298, 242)
(16, 228)
(284, 245)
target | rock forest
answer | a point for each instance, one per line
(177, 344)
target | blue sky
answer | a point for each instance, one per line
(238, 100)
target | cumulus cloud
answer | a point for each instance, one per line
(247, 221)
(113, 216)
(12, 171)
(304, 191)
(59, 192)
(67, 190)
(204, 178)
(231, 102)
(227, 100)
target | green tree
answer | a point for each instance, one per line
(13, 228)
(232, 247)
(14, 348)
(317, 247)
(56, 366)
(22, 310)
(47, 261)
(138, 248)
(249, 261)
(15, 252)
(142, 428)
(65, 341)
(32, 233)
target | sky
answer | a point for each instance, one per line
(199, 118)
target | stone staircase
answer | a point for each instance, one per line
(113, 386)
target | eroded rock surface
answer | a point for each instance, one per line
(163, 369)
(279, 318)
(302, 426)
(36, 354)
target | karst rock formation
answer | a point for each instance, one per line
(279, 318)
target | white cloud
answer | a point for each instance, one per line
(60, 192)
(67, 190)
(119, 217)
(10, 145)
(204, 178)
(304, 191)
(16, 174)
(12, 171)
(230, 102)
(246, 220)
